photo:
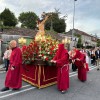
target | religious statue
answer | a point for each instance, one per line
(41, 25)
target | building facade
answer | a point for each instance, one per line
(87, 39)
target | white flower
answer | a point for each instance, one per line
(48, 52)
(44, 57)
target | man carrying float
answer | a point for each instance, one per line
(80, 61)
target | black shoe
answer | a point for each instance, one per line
(14, 89)
(63, 92)
(83, 81)
(98, 69)
(5, 89)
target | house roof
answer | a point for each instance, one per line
(78, 32)
(27, 32)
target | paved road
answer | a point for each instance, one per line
(89, 90)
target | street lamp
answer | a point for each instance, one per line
(73, 23)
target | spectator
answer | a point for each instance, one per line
(6, 57)
(97, 55)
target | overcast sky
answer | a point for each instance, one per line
(87, 12)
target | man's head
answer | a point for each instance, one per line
(98, 48)
(13, 43)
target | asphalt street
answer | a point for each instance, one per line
(89, 90)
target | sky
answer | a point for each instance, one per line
(87, 12)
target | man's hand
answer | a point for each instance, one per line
(78, 59)
(54, 61)
(12, 68)
(51, 61)
(73, 61)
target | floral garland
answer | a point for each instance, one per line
(44, 49)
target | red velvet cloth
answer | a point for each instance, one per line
(87, 67)
(13, 77)
(40, 76)
(82, 73)
(62, 60)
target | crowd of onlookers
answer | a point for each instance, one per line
(92, 56)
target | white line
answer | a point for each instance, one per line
(2, 71)
(31, 88)
(69, 73)
(92, 68)
(72, 72)
(11, 90)
(76, 73)
(16, 92)
(73, 75)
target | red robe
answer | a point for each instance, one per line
(13, 77)
(62, 60)
(87, 67)
(82, 73)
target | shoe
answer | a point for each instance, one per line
(83, 81)
(63, 92)
(5, 89)
(14, 89)
(98, 69)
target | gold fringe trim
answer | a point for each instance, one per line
(30, 82)
(44, 79)
(42, 86)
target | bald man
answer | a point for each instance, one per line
(13, 77)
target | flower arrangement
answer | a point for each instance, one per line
(44, 49)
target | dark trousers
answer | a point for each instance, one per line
(6, 62)
(93, 61)
(74, 67)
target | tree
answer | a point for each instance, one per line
(8, 18)
(98, 42)
(55, 23)
(79, 43)
(28, 19)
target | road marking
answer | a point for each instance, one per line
(76, 73)
(72, 72)
(17, 92)
(11, 94)
(11, 90)
(93, 68)
(69, 73)
(2, 71)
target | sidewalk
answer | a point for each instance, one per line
(1, 67)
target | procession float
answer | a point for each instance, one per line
(37, 68)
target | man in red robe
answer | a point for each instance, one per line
(13, 77)
(62, 62)
(80, 61)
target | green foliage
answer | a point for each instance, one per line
(77, 35)
(98, 42)
(89, 47)
(28, 19)
(8, 18)
(79, 43)
(1, 24)
(57, 23)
